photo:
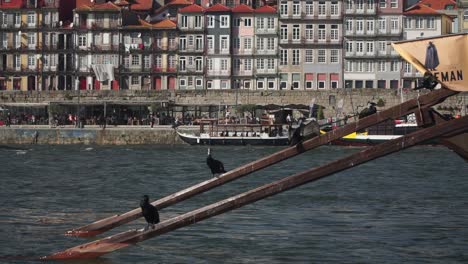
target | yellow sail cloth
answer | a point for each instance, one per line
(446, 57)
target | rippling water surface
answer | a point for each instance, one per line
(409, 207)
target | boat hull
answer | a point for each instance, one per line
(237, 141)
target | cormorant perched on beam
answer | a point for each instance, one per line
(216, 166)
(304, 131)
(370, 110)
(150, 213)
(429, 82)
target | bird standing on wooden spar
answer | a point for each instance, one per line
(150, 213)
(216, 166)
(370, 110)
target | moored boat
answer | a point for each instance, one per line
(213, 133)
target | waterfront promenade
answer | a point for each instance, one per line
(91, 134)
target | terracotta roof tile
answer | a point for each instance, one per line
(179, 2)
(165, 24)
(242, 8)
(265, 9)
(218, 8)
(420, 9)
(142, 5)
(191, 9)
(438, 4)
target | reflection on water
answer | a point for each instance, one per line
(407, 207)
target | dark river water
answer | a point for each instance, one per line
(408, 207)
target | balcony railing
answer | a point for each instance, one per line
(191, 49)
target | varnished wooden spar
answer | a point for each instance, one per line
(405, 108)
(112, 243)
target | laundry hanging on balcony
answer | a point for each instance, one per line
(103, 72)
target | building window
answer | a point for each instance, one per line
(284, 9)
(295, 57)
(247, 22)
(465, 15)
(224, 43)
(296, 32)
(382, 24)
(224, 21)
(211, 21)
(260, 42)
(407, 67)
(198, 82)
(247, 64)
(184, 22)
(349, 24)
(209, 85)
(260, 23)
(296, 8)
(394, 3)
(359, 5)
(394, 66)
(260, 85)
(247, 85)
(359, 47)
(32, 38)
(370, 47)
(370, 26)
(382, 47)
(322, 9)
(309, 32)
(271, 85)
(31, 60)
(260, 64)
(334, 56)
(334, 32)
(283, 57)
(394, 24)
(360, 26)
(135, 80)
(271, 64)
(309, 56)
(247, 43)
(309, 6)
(370, 4)
(198, 21)
(382, 66)
(31, 19)
(271, 44)
(321, 32)
(383, 3)
(271, 23)
(321, 56)
(431, 23)
(349, 46)
(408, 23)
(224, 64)
(284, 32)
(419, 23)
(209, 64)
(334, 9)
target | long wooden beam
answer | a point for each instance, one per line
(405, 108)
(112, 243)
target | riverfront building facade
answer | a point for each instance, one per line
(201, 44)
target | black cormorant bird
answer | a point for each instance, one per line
(150, 213)
(429, 82)
(216, 166)
(305, 130)
(370, 110)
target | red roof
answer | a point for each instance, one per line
(265, 9)
(439, 4)
(165, 24)
(218, 8)
(419, 9)
(178, 2)
(242, 8)
(142, 5)
(191, 9)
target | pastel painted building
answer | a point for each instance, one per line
(191, 27)
(36, 48)
(266, 49)
(422, 21)
(243, 47)
(310, 44)
(218, 47)
(370, 27)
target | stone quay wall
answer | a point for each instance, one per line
(353, 99)
(163, 135)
